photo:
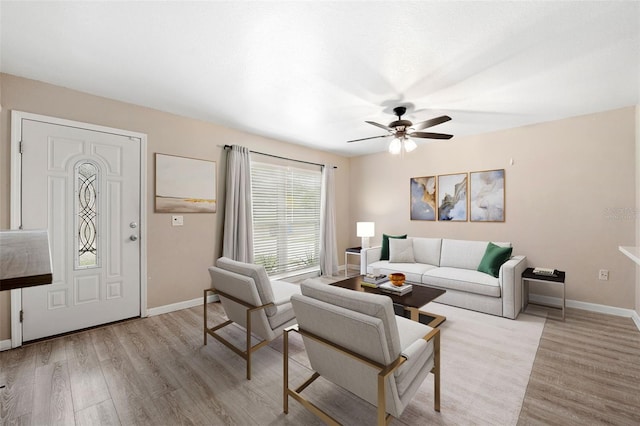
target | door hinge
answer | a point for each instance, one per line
(21, 315)
(20, 147)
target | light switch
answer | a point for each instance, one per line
(177, 220)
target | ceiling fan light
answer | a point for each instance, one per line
(409, 145)
(395, 146)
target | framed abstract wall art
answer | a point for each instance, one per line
(452, 197)
(423, 198)
(185, 185)
(486, 192)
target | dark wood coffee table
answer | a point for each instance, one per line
(410, 302)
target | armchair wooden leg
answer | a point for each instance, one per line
(204, 304)
(436, 372)
(248, 344)
(382, 415)
(285, 373)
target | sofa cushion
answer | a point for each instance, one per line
(463, 253)
(259, 275)
(493, 259)
(463, 280)
(401, 250)
(384, 254)
(412, 271)
(427, 250)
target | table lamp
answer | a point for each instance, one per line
(365, 230)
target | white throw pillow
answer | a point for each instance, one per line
(401, 250)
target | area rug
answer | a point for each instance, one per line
(486, 363)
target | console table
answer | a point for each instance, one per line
(25, 260)
(557, 279)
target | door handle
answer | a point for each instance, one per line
(133, 237)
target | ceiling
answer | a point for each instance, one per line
(311, 73)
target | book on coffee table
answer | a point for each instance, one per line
(374, 279)
(400, 290)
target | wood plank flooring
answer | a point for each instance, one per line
(586, 372)
(156, 371)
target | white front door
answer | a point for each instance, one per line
(84, 187)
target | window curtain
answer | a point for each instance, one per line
(328, 246)
(237, 243)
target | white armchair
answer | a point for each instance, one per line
(251, 300)
(354, 340)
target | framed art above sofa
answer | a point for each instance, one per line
(423, 198)
(486, 196)
(452, 197)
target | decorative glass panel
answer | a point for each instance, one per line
(86, 219)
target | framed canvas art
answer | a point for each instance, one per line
(423, 198)
(185, 185)
(486, 190)
(452, 197)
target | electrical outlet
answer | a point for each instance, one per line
(177, 220)
(603, 275)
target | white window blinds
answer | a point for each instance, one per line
(286, 215)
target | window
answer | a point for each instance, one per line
(286, 215)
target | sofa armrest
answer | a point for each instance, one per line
(511, 285)
(368, 256)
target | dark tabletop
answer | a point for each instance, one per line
(416, 298)
(558, 278)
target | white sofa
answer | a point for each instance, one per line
(452, 265)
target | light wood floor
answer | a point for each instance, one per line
(586, 372)
(156, 371)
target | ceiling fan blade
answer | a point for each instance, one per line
(382, 126)
(430, 135)
(432, 122)
(373, 137)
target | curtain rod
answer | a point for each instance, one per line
(282, 158)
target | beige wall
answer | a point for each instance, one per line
(565, 176)
(178, 257)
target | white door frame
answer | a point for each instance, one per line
(16, 201)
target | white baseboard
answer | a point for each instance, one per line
(636, 318)
(180, 305)
(593, 307)
(5, 345)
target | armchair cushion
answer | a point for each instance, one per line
(374, 305)
(282, 292)
(416, 350)
(259, 275)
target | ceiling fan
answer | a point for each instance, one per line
(403, 130)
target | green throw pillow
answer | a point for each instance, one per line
(384, 254)
(493, 259)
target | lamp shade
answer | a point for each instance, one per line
(365, 229)
(395, 146)
(409, 145)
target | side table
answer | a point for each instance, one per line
(354, 251)
(558, 279)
